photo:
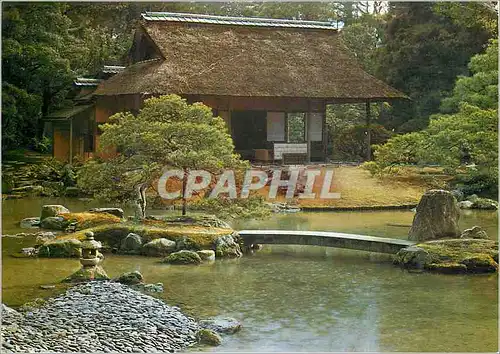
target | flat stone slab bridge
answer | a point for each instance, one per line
(326, 239)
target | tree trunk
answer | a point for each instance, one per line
(141, 201)
(46, 98)
(184, 202)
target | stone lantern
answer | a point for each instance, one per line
(91, 270)
(90, 247)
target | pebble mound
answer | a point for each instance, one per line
(99, 317)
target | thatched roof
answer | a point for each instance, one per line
(248, 61)
(67, 113)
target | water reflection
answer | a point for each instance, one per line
(304, 298)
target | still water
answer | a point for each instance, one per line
(300, 298)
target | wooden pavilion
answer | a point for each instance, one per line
(257, 74)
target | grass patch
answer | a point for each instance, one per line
(86, 220)
(457, 250)
(358, 189)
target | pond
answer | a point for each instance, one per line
(300, 298)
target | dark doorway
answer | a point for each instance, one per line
(249, 132)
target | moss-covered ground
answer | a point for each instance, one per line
(86, 220)
(462, 255)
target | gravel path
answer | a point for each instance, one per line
(99, 317)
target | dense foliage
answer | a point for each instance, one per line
(36, 74)
(426, 47)
(481, 88)
(467, 136)
(419, 48)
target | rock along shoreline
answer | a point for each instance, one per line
(99, 317)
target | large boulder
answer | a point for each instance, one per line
(60, 248)
(158, 247)
(183, 257)
(474, 232)
(131, 244)
(226, 246)
(221, 324)
(436, 217)
(52, 210)
(113, 211)
(54, 223)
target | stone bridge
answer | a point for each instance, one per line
(326, 239)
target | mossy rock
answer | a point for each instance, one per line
(484, 204)
(183, 257)
(412, 257)
(60, 248)
(53, 210)
(227, 246)
(112, 234)
(186, 243)
(474, 232)
(208, 337)
(130, 278)
(206, 255)
(159, 247)
(54, 223)
(86, 274)
(459, 249)
(131, 244)
(461, 255)
(28, 223)
(225, 325)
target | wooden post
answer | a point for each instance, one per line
(230, 113)
(324, 134)
(368, 133)
(184, 200)
(71, 140)
(308, 136)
